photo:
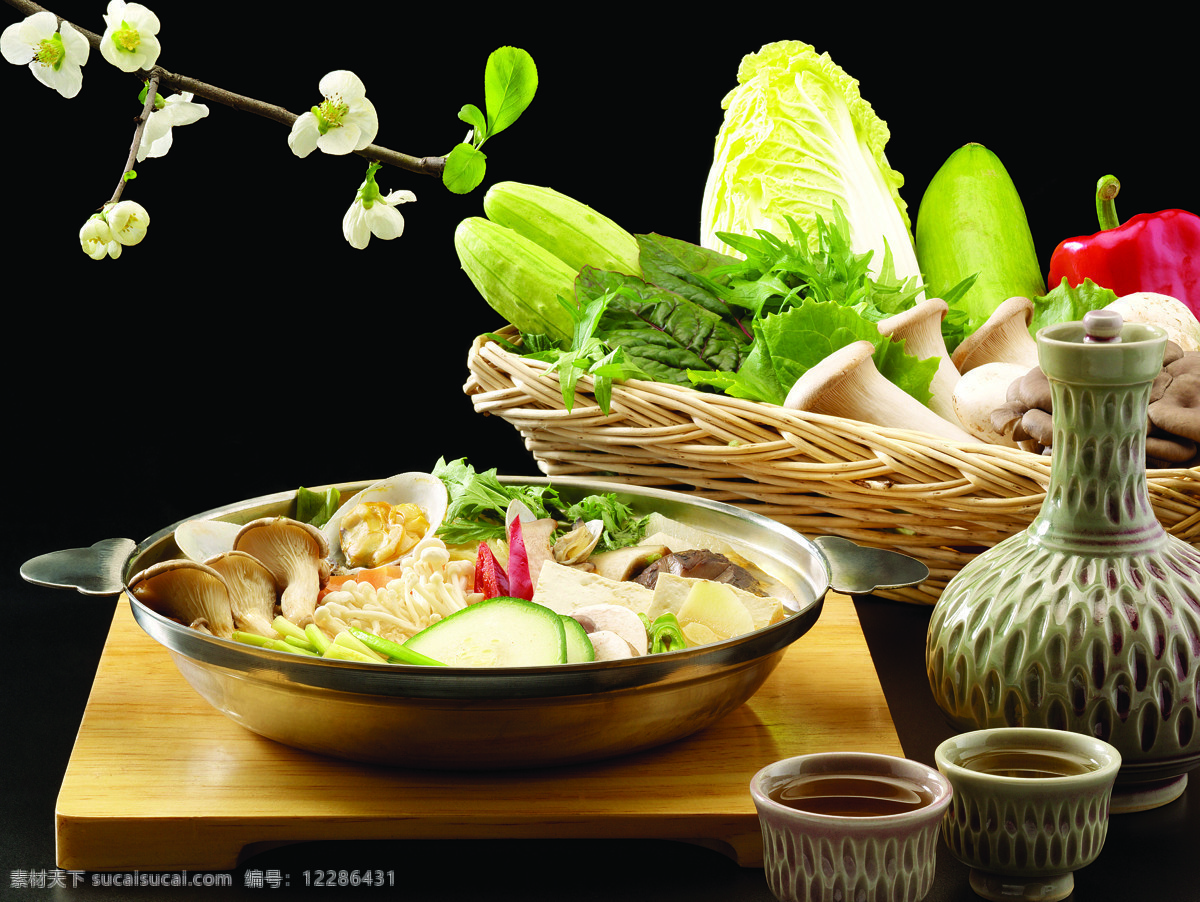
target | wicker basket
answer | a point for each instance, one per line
(939, 501)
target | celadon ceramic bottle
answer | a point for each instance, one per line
(1089, 620)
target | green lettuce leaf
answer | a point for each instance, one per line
(797, 137)
(1064, 304)
(790, 343)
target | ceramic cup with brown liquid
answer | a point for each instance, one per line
(1030, 808)
(849, 825)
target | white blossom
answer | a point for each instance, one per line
(55, 54)
(97, 240)
(130, 40)
(372, 213)
(177, 109)
(345, 121)
(128, 221)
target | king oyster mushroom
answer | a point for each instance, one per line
(187, 591)
(252, 591)
(847, 384)
(1003, 337)
(294, 552)
(920, 328)
(376, 526)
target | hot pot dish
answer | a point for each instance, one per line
(387, 632)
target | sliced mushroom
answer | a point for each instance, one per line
(294, 553)
(847, 384)
(1004, 336)
(614, 618)
(608, 646)
(186, 591)
(536, 534)
(252, 591)
(920, 328)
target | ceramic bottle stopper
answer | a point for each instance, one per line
(1089, 620)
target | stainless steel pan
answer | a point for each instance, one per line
(466, 718)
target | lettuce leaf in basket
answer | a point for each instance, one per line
(788, 344)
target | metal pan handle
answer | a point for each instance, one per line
(860, 570)
(97, 570)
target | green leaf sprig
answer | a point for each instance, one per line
(588, 355)
(510, 81)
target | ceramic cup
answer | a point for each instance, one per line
(1030, 808)
(815, 849)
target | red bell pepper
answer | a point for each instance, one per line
(490, 578)
(1157, 252)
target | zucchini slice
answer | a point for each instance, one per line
(496, 632)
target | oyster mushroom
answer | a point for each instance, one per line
(293, 552)
(847, 384)
(1177, 410)
(252, 591)
(187, 591)
(1004, 336)
(920, 328)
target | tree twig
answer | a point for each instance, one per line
(147, 109)
(421, 165)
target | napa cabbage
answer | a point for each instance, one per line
(796, 139)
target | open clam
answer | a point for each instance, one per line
(383, 522)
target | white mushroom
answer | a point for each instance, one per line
(847, 384)
(614, 618)
(252, 591)
(920, 328)
(186, 591)
(608, 646)
(293, 552)
(1004, 336)
(1172, 314)
(981, 391)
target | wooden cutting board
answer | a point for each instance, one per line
(159, 780)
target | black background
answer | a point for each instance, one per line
(245, 348)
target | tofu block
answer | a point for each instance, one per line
(563, 589)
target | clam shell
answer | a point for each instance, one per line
(422, 489)
(199, 540)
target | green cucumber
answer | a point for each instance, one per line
(971, 220)
(495, 632)
(520, 279)
(568, 228)
(579, 646)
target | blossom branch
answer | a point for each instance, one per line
(430, 165)
(147, 109)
